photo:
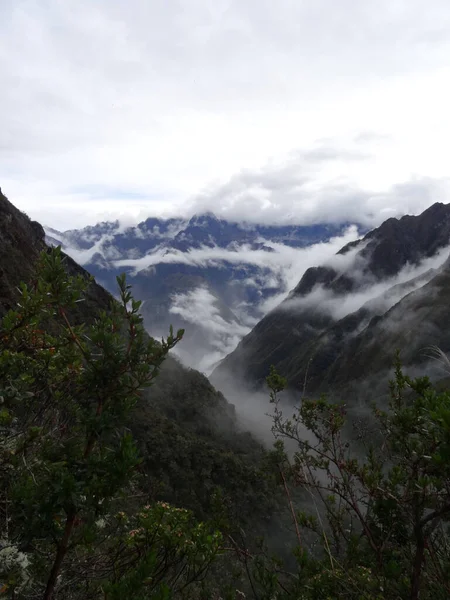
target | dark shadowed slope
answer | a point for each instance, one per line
(417, 323)
(312, 337)
(21, 240)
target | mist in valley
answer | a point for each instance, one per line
(253, 409)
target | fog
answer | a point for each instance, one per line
(380, 296)
(217, 328)
(201, 309)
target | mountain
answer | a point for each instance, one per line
(207, 275)
(20, 237)
(340, 327)
(187, 432)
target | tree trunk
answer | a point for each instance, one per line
(417, 568)
(60, 554)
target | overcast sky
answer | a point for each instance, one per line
(299, 110)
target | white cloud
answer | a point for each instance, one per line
(200, 308)
(284, 262)
(152, 102)
(280, 269)
(281, 256)
(291, 193)
(382, 294)
(85, 255)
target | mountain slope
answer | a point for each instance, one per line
(209, 276)
(414, 325)
(20, 237)
(344, 320)
(186, 430)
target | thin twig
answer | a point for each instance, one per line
(291, 506)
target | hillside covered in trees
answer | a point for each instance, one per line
(125, 475)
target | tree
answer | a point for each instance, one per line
(76, 521)
(73, 523)
(381, 503)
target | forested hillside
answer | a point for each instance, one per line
(125, 475)
(186, 431)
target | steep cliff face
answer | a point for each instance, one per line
(345, 320)
(21, 240)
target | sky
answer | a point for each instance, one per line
(290, 111)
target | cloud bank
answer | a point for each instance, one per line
(284, 262)
(200, 308)
(285, 111)
(379, 296)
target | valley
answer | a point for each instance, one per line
(212, 277)
(224, 469)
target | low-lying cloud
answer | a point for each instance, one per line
(201, 309)
(381, 295)
(273, 270)
(290, 263)
(281, 269)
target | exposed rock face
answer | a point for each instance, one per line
(409, 239)
(21, 240)
(311, 343)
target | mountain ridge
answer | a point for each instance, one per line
(311, 342)
(175, 263)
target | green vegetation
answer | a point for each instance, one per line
(380, 525)
(114, 488)
(67, 462)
